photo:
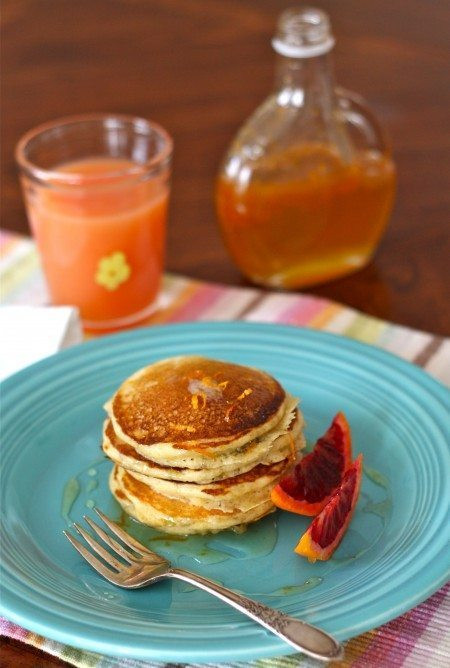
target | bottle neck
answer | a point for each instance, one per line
(310, 80)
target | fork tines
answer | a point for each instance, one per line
(118, 551)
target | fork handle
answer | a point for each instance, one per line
(302, 636)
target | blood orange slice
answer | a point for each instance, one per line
(327, 529)
(314, 479)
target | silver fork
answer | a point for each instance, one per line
(132, 565)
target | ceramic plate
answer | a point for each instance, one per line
(392, 558)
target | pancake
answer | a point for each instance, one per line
(185, 409)
(173, 516)
(240, 492)
(198, 444)
(212, 454)
(282, 446)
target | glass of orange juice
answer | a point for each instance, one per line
(96, 190)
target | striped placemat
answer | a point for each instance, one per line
(418, 638)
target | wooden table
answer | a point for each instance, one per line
(200, 67)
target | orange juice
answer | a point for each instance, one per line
(306, 216)
(101, 237)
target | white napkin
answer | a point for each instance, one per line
(30, 333)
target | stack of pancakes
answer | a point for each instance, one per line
(198, 443)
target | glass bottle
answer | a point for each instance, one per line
(306, 188)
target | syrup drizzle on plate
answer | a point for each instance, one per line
(258, 540)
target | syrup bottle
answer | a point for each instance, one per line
(306, 188)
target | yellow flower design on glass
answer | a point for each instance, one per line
(112, 271)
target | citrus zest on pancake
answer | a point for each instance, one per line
(293, 450)
(244, 394)
(195, 400)
(203, 389)
(228, 412)
(231, 408)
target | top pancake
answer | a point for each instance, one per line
(190, 400)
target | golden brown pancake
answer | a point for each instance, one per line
(166, 401)
(240, 492)
(174, 516)
(198, 444)
(284, 445)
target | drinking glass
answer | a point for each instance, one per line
(96, 190)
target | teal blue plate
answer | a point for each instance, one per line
(392, 558)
